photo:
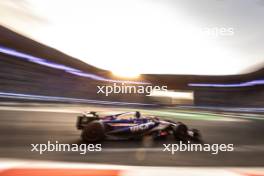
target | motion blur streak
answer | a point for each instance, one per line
(173, 94)
(67, 69)
(20, 128)
(33, 167)
(64, 99)
(242, 84)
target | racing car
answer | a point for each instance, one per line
(131, 125)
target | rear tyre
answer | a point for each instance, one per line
(181, 132)
(93, 132)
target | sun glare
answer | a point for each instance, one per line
(125, 74)
(141, 37)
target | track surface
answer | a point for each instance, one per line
(21, 127)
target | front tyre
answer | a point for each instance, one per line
(93, 132)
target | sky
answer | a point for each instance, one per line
(131, 37)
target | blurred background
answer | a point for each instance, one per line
(209, 54)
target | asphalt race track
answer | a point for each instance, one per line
(22, 126)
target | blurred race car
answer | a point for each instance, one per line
(131, 125)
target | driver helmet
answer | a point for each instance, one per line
(137, 114)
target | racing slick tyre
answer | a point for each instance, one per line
(181, 132)
(93, 132)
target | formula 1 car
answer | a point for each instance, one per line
(131, 125)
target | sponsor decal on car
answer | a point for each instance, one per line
(141, 127)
